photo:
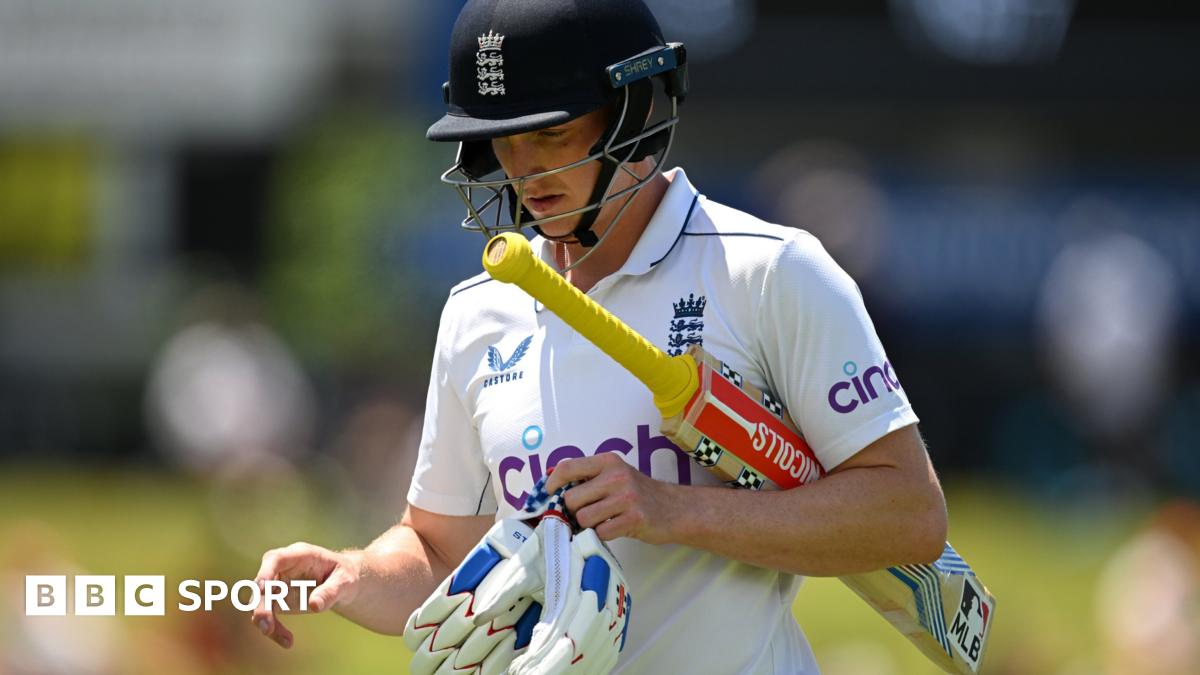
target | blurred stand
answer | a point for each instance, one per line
(378, 447)
(225, 388)
(1148, 600)
(825, 187)
(986, 32)
(711, 29)
(1107, 319)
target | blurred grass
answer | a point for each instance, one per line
(1041, 562)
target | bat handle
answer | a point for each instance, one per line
(508, 257)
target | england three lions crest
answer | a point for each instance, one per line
(489, 64)
(687, 328)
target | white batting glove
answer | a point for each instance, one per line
(443, 633)
(583, 623)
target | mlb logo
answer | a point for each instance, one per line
(968, 632)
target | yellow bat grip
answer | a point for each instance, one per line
(672, 379)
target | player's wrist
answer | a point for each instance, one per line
(353, 565)
(679, 523)
(693, 522)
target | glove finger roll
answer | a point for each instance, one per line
(425, 660)
(445, 619)
(454, 629)
(486, 637)
(433, 611)
(498, 661)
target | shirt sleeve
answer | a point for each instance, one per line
(823, 355)
(451, 477)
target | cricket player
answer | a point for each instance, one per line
(577, 147)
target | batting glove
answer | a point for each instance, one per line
(586, 615)
(443, 633)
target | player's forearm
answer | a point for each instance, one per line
(850, 522)
(396, 573)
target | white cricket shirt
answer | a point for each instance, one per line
(513, 391)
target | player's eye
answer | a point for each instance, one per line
(552, 133)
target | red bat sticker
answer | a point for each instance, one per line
(744, 427)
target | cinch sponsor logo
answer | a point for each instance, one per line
(845, 396)
(534, 464)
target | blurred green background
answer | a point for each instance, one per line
(224, 249)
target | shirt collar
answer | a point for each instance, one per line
(661, 233)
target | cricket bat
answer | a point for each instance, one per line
(746, 437)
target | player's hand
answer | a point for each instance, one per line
(616, 499)
(336, 574)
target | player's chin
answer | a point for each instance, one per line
(558, 229)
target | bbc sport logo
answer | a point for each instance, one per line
(146, 595)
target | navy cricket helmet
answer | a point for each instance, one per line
(521, 65)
